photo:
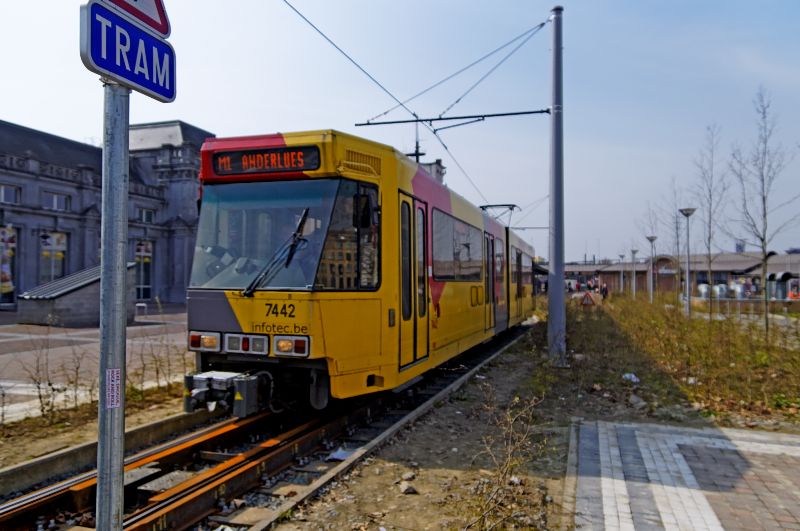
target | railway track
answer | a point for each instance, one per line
(247, 473)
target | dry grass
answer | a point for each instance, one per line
(725, 364)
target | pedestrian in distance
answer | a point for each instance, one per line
(794, 294)
(604, 291)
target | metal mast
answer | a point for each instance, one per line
(556, 313)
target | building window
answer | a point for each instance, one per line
(8, 263)
(144, 270)
(147, 215)
(55, 201)
(9, 194)
(52, 256)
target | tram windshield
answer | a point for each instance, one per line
(245, 229)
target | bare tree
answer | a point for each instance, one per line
(710, 193)
(650, 222)
(73, 370)
(756, 171)
(672, 220)
(649, 226)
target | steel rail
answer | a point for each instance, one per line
(77, 492)
(189, 503)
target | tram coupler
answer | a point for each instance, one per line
(239, 393)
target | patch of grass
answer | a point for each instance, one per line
(85, 413)
(724, 363)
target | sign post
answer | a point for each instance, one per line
(113, 312)
(123, 41)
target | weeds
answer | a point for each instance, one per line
(72, 372)
(154, 359)
(502, 498)
(42, 377)
(722, 363)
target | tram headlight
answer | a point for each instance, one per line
(204, 341)
(284, 345)
(291, 346)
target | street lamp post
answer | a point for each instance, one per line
(633, 266)
(687, 212)
(621, 274)
(652, 240)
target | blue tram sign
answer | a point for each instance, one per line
(124, 50)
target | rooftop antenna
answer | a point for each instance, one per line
(417, 153)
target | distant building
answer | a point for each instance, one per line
(729, 269)
(50, 200)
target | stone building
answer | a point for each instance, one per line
(50, 208)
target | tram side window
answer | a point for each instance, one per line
(499, 263)
(350, 257)
(405, 260)
(444, 265)
(457, 249)
(368, 238)
(527, 272)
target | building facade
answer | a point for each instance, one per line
(668, 275)
(50, 195)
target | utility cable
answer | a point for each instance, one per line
(462, 70)
(460, 167)
(533, 206)
(401, 104)
(363, 71)
(533, 32)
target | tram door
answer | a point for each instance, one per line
(488, 281)
(414, 294)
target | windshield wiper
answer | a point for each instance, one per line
(285, 253)
(297, 237)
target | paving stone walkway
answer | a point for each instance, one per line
(648, 477)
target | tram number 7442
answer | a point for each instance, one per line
(279, 310)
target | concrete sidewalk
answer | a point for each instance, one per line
(648, 477)
(57, 358)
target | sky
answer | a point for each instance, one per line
(642, 81)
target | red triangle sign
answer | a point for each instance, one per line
(150, 12)
(588, 300)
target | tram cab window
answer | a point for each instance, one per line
(354, 239)
(288, 235)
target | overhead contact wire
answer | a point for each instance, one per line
(451, 76)
(533, 32)
(400, 103)
(363, 71)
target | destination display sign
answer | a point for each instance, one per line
(266, 160)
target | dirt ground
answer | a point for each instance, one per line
(35, 437)
(493, 455)
(454, 459)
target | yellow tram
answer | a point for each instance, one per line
(327, 265)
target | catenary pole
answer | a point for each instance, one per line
(114, 238)
(687, 213)
(688, 274)
(556, 320)
(633, 270)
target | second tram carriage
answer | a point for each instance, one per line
(327, 265)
